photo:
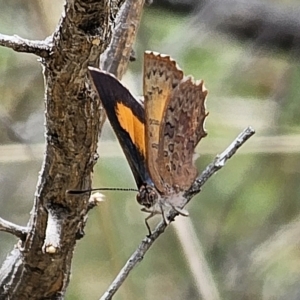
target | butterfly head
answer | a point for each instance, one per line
(155, 202)
(147, 196)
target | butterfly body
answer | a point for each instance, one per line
(159, 135)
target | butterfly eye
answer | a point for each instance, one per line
(152, 196)
(141, 196)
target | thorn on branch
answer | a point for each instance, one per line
(132, 56)
(95, 200)
(19, 231)
(39, 48)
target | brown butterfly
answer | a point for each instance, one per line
(158, 135)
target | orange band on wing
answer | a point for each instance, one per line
(131, 124)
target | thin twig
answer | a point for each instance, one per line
(18, 231)
(147, 242)
(221, 159)
(39, 48)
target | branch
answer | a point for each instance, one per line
(147, 242)
(116, 57)
(39, 48)
(18, 231)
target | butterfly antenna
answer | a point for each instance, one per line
(77, 192)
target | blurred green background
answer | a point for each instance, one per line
(244, 225)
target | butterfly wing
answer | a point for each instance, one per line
(182, 129)
(161, 76)
(126, 116)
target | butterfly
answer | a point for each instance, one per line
(158, 134)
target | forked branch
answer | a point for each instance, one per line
(147, 242)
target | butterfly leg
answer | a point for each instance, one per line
(167, 222)
(147, 224)
(181, 211)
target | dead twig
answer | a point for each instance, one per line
(147, 242)
(39, 48)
